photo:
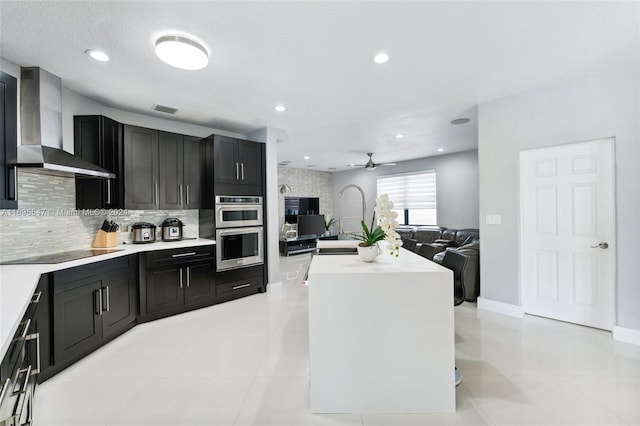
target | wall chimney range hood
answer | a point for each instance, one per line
(41, 128)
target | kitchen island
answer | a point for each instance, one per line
(381, 335)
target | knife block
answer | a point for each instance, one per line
(105, 239)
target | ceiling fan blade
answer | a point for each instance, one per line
(387, 164)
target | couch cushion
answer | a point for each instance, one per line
(427, 235)
(463, 234)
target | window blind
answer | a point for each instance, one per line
(415, 190)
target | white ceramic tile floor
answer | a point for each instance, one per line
(246, 363)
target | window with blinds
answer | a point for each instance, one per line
(413, 195)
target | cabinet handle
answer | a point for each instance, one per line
(36, 336)
(240, 286)
(27, 324)
(237, 171)
(15, 182)
(180, 191)
(26, 379)
(108, 191)
(36, 297)
(98, 301)
(187, 194)
(188, 276)
(107, 299)
(180, 277)
(155, 192)
(191, 253)
(242, 170)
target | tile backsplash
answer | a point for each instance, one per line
(47, 221)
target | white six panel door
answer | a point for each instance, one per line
(568, 233)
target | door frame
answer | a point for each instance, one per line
(611, 144)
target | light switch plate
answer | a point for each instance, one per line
(493, 219)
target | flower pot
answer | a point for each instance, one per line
(368, 253)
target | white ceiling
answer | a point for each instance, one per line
(316, 59)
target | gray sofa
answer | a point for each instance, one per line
(432, 242)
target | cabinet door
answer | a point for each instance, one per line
(250, 159)
(192, 172)
(112, 145)
(165, 288)
(199, 282)
(118, 301)
(141, 168)
(226, 166)
(77, 322)
(171, 155)
(8, 140)
(86, 145)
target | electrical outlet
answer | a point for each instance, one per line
(493, 219)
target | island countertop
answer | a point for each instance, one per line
(381, 334)
(18, 282)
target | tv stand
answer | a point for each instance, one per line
(302, 244)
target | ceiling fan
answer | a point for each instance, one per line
(370, 165)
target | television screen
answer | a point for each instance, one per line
(312, 224)
(298, 206)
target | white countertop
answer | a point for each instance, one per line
(381, 334)
(406, 262)
(18, 282)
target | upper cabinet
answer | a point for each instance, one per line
(238, 166)
(8, 140)
(98, 139)
(237, 161)
(162, 170)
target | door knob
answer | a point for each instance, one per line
(601, 245)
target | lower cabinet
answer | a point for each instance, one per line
(240, 282)
(91, 305)
(174, 281)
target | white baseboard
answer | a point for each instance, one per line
(500, 308)
(627, 335)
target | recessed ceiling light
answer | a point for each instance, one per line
(399, 136)
(306, 157)
(440, 149)
(97, 55)
(460, 121)
(280, 108)
(181, 52)
(381, 58)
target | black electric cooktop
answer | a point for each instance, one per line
(64, 256)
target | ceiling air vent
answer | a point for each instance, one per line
(166, 109)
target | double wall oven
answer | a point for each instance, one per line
(239, 232)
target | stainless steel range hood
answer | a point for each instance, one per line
(41, 128)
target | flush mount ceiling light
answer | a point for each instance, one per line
(97, 55)
(460, 121)
(306, 157)
(440, 149)
(284, 188)
(280, 108)
(381, 58)
(181, 52)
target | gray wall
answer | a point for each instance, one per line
(306, 183)
(598, 106)
(456, 186)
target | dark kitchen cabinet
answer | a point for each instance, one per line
(176, 280)
(91, 305)
(237, 161)
(8, 140)
(162, 170)
(98, 139)
(241, 282)
(179, 171)
(141, 168)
